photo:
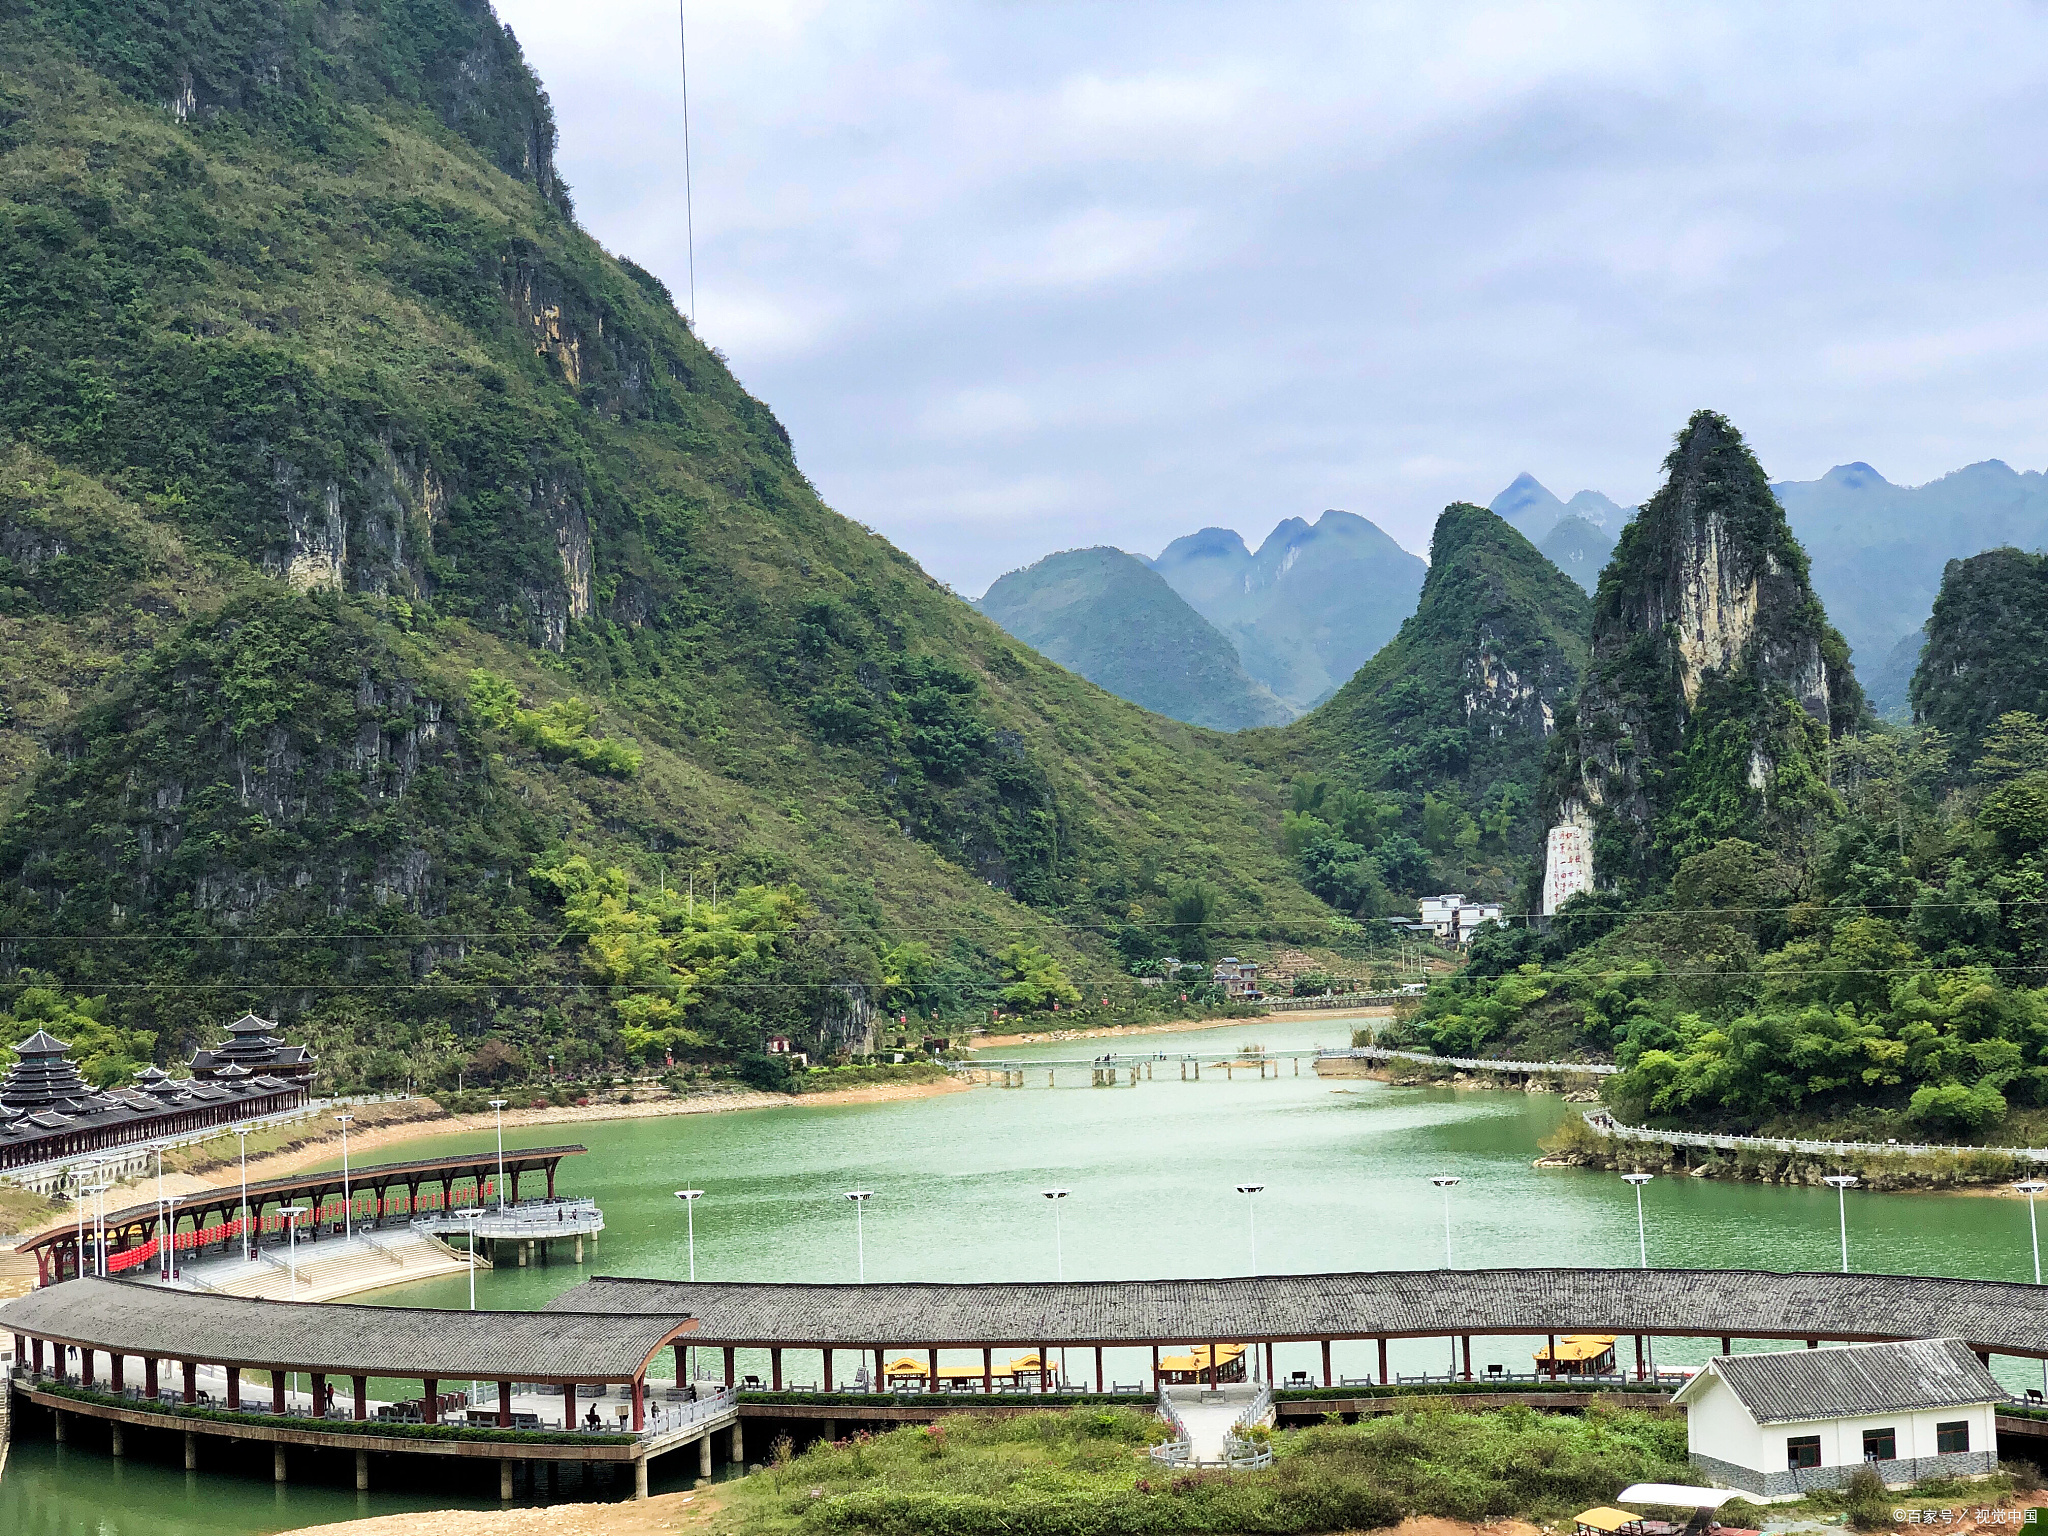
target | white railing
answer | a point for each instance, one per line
(1604, 1124)
(1179, 1449)
(1469, 1063)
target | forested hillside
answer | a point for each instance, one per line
(413, 626)
(1422, 773)
(1110, 617)
(1804, 919)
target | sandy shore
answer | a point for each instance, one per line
(645, 1517)
(1174, 1027)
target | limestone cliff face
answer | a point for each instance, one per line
(1716, 680)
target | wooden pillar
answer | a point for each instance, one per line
(1641, 1375)
(1214, 1349)
(430, 1400)
(569, 1401)
(1326, 1364)
(85, 1366)
(682, 1364)
(1155, 1367)
(1384, 1376)
(234, 1388)
(319, 1395)
(1044, 1371)
(1098, 1368)
(191, 1381)
(730, 1352)
(362, 1396)
(825, 1354)
(277, 1390)
(1553, 1356)
(1467, 1340)
(640, 1418)
(988, 1370)
(931, 1360)
(115, 1363)
(1813, 1343)
(36, 1368)
(1269, 1359)
(775, 1367)
(504, 1404)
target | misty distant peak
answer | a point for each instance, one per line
(1207, 544)
(1854, 477)
(1595, 509)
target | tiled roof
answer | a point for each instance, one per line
(1798, 1385)
(1990, 1314)
(122, 1316)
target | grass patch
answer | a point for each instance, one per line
(1084, 1472)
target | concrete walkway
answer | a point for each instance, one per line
(1209, 1415)
(328, 1269)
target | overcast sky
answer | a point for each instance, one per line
(1025, 277)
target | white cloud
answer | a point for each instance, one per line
(1025, 277)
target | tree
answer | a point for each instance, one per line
(1193, 905)
(1035, 979)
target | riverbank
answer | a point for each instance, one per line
(1975, 1170)
(1171, 1027)
(643, 1517)
(377, 1126)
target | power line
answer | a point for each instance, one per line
(689, 194)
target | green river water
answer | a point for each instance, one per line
(1152, 1170)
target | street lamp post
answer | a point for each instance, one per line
(1249, 1190)
(291, 1215)
(690, 1197)
(1444, 1182)
(860, 1197)
(99, 1228)
(1059, 1258)
(1841, 1182)
(469, 1219)
(348, 1204)
(1642, 1236)
(499, 1106)
(2031, 1188)
(248, 1245)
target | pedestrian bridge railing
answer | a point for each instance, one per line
(1469, 1063)
(1604, 1124)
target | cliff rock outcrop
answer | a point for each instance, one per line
(1715, 684)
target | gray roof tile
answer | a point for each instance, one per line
(1793, 1386)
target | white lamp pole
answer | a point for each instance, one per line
(2031, 1188)
(1252, 1219)
(499, 1106)
(860, 1197)
(291, 1215)
(348, 1220)
(1059, 1257)
(248, 1244)
(1444, 1181)
(690, 1197)
(1642, 1236)
(470, 1218)
(1841, 1182)
(99, 1229)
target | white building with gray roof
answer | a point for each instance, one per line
(1779, 1425)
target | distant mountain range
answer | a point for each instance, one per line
(1112, 618)
(1309, 608)
(1316, 601)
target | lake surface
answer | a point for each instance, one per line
(1152, 1171)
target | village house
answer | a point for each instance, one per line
(1779, 1425)
(1453, 919)
(1238, 978)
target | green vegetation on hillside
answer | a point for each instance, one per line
(1891, 970)
(1113, 619)
(1422, 773)
(1083, 1472)
(374, 546)
(1986, 651)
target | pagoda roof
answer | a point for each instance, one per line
(42, 1043)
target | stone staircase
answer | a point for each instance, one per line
(332, 1268)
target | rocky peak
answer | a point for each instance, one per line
(1716, 679)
